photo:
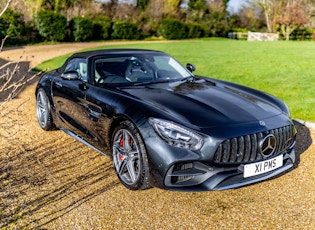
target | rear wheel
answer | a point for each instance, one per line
(43, 110)
(130, 157)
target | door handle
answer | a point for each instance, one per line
(58, 84)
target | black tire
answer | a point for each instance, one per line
(43, 112)
(130, 157)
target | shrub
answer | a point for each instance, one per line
(173, 29)
(150, 28)
(301, 34)
(12, 25)
(126, 30)
(52, 26)
(195, 30)
(102, 27)
(81, 28)
(31, 34)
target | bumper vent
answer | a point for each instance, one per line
(246, 148)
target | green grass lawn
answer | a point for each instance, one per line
(284, 69)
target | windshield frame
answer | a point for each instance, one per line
(153, 67)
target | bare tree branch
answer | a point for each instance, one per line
(2, 42)
(6, 7)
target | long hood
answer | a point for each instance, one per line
(206, 104)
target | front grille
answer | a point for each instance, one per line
(246, 148)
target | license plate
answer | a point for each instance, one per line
(261, 167)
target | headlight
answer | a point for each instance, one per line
(176, 135)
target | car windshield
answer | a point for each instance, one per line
(138, 68)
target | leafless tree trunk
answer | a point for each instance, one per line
(266, 8)
(271, 9)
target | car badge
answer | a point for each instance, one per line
(268, 145)
(262, 123)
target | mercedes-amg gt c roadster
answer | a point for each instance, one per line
(163, 126)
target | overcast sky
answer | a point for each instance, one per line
(235, 5)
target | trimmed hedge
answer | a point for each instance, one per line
(12, 25)
(173, 29)
(52, 26)
(102, 27)
(195, 30)
(81, 28)
(126, 30)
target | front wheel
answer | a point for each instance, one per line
(130, 157)
(43, 110)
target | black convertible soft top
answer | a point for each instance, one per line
(91, 53)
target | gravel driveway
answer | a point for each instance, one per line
(50, 181)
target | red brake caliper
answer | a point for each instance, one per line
(121, 144)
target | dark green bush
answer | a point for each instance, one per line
(52, 26)
(302, 34)
(126, 30)
(143, 4)
(31, 35)
(13, 26)
(195, 30)
(102, 27)
(81, 28)
(173, 29)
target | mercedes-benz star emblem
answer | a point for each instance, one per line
(268, 145)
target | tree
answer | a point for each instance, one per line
(216, 15)
(292, 16)
(33, 6)
(271, 10)
(249, 18)
(155, 9)
(143, 4)
(171, 6)
(197, 10)
(196, 4)
(288, 13)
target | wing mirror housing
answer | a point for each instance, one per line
(190, 67)
(70, 75)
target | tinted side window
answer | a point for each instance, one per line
(79, 65)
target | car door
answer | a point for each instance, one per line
(69, 96)
(100, 97)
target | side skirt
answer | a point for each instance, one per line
(83, 141)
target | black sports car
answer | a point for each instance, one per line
(163, 126)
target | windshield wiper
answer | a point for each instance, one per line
(190, 78)
(151, 82)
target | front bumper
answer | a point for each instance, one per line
(198, 176)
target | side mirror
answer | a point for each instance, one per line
(70, 75)
(190, 67)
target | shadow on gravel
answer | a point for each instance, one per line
(303, 140)
(41, 183)
(17, 76)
